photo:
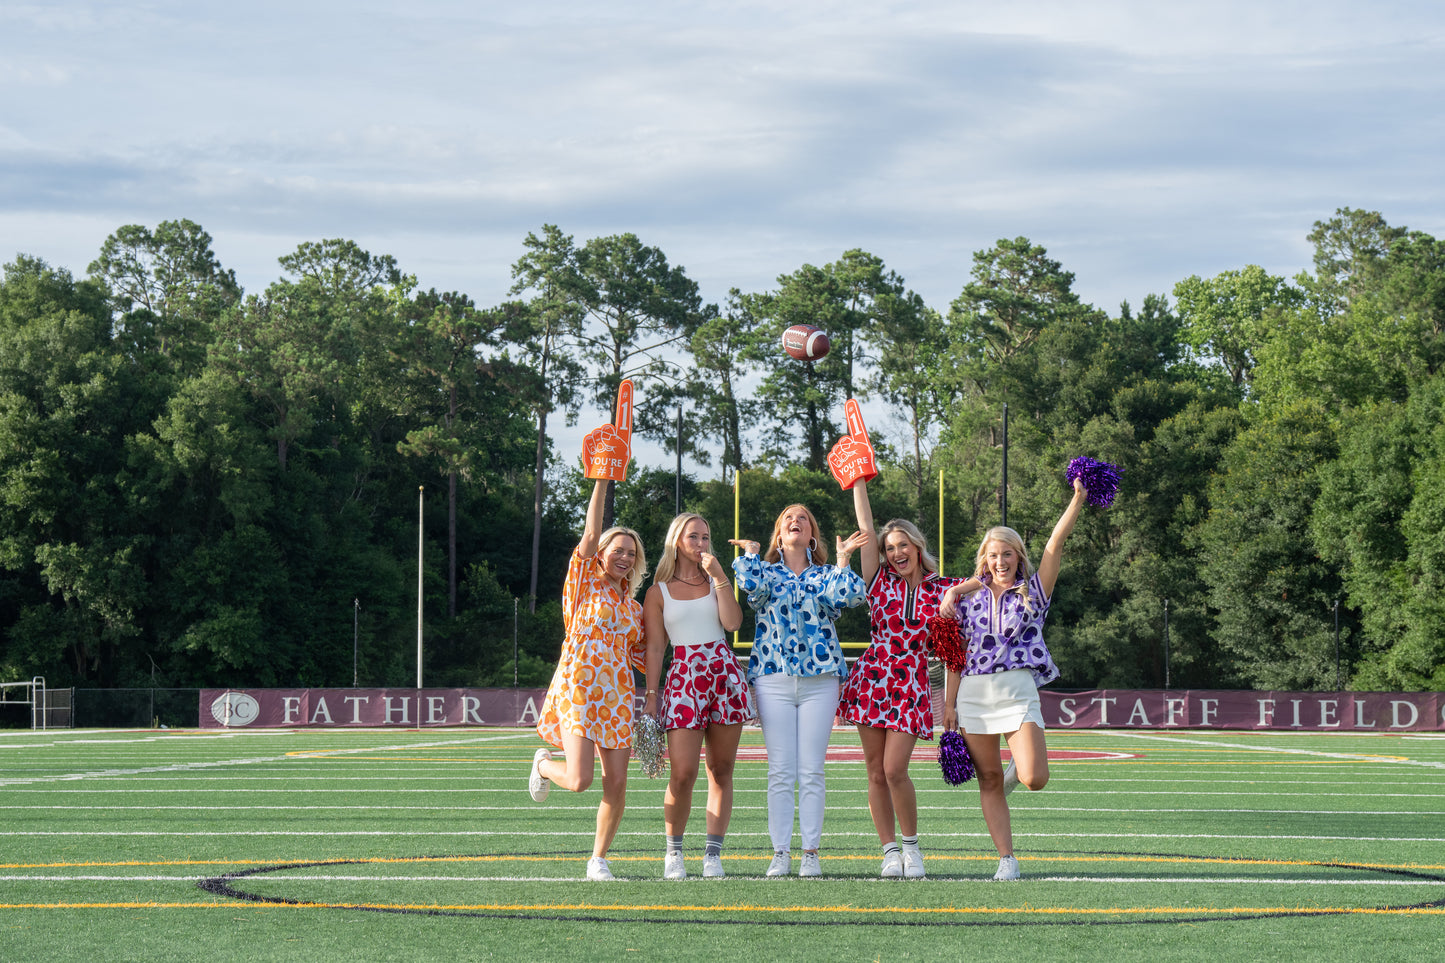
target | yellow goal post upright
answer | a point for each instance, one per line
(737, 534)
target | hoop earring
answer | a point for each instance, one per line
(812, 546)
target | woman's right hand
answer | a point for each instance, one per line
(748, 546)
(948, 604)
(950, 719)
(649, 704)
(710, 564)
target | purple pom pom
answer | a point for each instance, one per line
(954, 760)
(1100, 479)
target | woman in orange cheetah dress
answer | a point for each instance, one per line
(588, 709)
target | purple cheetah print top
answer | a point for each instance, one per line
(1008, 637)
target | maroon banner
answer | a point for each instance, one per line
(1064, 709)
(369, 708)
(1244, 709)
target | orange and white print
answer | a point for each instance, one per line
(591, 692)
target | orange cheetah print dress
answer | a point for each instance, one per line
(592, 691)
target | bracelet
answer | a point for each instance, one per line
(723, 584)
(651, 691)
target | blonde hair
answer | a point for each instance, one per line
(817, 552)
(667, 565)
(1011, 538)
(638, 571)
(910, 531)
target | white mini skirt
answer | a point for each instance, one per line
(1000, 702)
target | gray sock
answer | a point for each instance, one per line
(714, 844)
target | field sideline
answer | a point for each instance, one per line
(371, 844)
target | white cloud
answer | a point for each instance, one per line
(1140, 142)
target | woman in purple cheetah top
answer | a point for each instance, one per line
(1002, 609)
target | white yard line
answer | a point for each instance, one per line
(584, 804)
(1353, 756)
(300, 754)
(652, 834)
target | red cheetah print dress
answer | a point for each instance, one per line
(887, 687)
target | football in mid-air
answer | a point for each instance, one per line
(806, 343)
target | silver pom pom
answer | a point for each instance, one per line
(649, 743)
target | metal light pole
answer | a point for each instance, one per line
(355, 639)
(1003, 492)
(153, 688)
(1339, 685)
(677, 496)
(1166, 643)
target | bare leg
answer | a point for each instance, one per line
(614, 796)
(988, 762)
(683, 747)
(1031, 755)
(880, 800)
(897, 753)
(575, 773)
(722, 756)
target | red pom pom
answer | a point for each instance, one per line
(806, 343)
(946, 641)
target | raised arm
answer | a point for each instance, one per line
(1053, 555)
(592, 533)
(863, 510)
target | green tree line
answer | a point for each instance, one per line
(204, 486)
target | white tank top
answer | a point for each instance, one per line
(691, 622)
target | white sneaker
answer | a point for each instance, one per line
(1008, 868)
(598, 870)
(912, 862)
(712, 866)
(892, 865)
(811, 865)
(672, 867)
(536, 785)
(1010, 778)
(780, 865)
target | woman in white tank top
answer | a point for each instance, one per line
(706, 698)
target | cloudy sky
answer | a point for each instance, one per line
(1140, 142)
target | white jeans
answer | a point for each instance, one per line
(796, 714)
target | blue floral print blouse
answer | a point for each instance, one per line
(795, 614)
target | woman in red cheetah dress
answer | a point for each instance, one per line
(887, 695)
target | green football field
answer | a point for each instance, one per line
(402, 845)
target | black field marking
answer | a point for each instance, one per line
(222, 886)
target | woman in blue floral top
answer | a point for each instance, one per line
(1002, 609)
(796, 668)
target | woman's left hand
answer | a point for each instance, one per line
(847, 547)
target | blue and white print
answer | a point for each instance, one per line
(795, 614)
